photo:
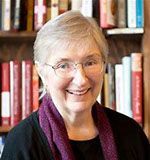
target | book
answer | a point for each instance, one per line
(23, 15)
(5, 94)
(111, 16)
(15, 90)
(139, 13)
(121, 14)
(137, 87)
(6, 15)
(106, 90)
(111, 86)
(131, 13)
(119, 88)
(87, 8)
(96, 11)
(63, 6)
(30, 15)
(103, 14)
(26, 88)
(0, 15)
(39, 13)
(35, 89)
(48, 10)
(16, 14)
(108, 13)
(126, 61)
(54, 8)
(76, 5)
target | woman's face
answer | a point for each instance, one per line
(78, 93)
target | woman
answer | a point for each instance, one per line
(70, 53)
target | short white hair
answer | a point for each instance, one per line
(68, 28)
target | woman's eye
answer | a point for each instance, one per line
(63, 66)
(90, 63)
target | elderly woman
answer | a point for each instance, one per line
(70, 54)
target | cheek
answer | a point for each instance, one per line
(56, 85)
(97, 82)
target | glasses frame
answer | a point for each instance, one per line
(75, 68)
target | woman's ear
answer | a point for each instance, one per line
(41, 72)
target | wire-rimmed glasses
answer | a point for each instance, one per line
(67, 69)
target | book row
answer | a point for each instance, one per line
(30, 15)
(19, 91)
(123, 87)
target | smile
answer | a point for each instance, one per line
(78, 92)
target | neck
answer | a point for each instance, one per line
(81, 126)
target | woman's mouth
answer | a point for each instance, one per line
(78, 92)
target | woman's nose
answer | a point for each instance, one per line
(79, 76)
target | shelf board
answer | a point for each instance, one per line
(5, 129)
(117, 31)
(19, 34)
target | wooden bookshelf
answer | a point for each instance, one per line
(123, 31)
(21, 34)
(5, 129)
(121, 41)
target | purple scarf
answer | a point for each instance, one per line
(54, 128)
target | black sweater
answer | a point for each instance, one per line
(27, 141)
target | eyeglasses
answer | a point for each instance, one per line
(67, 69)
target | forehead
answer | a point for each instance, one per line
(74, 50)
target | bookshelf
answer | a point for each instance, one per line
(121, 41)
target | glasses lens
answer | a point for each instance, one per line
(90, 66)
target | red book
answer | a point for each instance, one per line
(15, 88)
(108, 10)
(26, 88)
(39, 13)
(35, 89)
(137, 87)
(5, 95)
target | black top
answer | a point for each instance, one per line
(87, 150)
(27, 141)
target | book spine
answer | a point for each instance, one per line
(139, 14)
(16, 11)
(87, 8)
(15, 88)
(76, 5)
(119, 88)
(106, 90)
(35, 89)
(103, 14)
(131, 13)
(111, 13)
(30, 13)
(96, 10)
(39, 14)
(0, 15)
(6, 15)
(54, 8)
(126, 61)
(48, 10)
(121, 15)
(26, 88)
(63, 6)
(137, 87)
(5, 95)
(111, 85)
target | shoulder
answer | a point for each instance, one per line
(129, 135)
(26, 141)
(26, 126)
